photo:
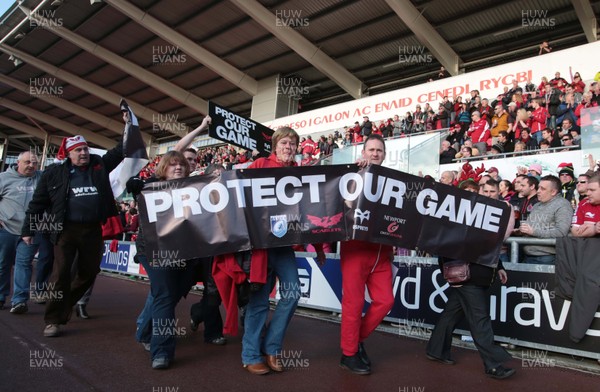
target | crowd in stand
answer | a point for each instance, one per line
(522, 118)
(545, 206)
(526, 119)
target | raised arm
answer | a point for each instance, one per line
(189, 138)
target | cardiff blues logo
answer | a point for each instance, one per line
(279, 225)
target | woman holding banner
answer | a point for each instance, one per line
(282, 264)
(170, 280)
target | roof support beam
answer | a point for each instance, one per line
(426, 34)
(297, 42)
(80, 111)
(19, 126)
(89, 136)
(140, 111)
(198, 53)
(587, 18)
(151, 79)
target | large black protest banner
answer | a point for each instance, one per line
(182, 219)
(238, 130)
(264, 208)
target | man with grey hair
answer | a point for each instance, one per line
(447, 177)
(447, 153)
(16, 190)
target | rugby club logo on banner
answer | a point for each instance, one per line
(279, 225)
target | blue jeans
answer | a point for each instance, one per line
(282, 262)
(537, 136)
(167, 287)
(546, 259)
(14, 251)
(143, 332)
(43, 267)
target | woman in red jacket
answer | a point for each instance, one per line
(259, 336)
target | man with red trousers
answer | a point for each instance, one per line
(364, 264)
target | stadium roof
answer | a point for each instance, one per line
(65, 63)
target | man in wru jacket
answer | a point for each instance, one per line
(76, 198)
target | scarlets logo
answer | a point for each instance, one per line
(266, 137)
(325, 223)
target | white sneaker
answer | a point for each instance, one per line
(51, 330)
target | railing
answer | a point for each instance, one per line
(518, 153)
(514, 243)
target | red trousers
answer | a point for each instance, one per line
(364, 264)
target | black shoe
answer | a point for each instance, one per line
(363, 354)
(81, 312)
(19, 308)
(1, 305)
(354, 364)
(194, 325)
(441, 360)
(500, 372)
(160, 363)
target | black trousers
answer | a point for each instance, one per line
(84, 240)
(207, 310)
(470, 302)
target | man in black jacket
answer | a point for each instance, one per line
(366, 127)
(77, 198)
(470, 300)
